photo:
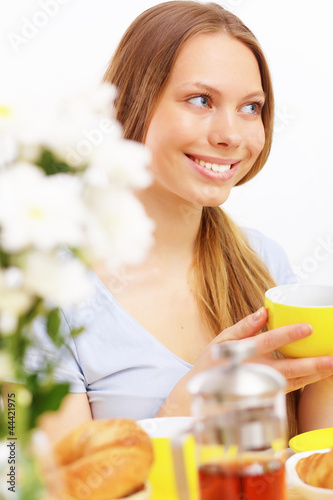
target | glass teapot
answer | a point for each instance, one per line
(239, 429)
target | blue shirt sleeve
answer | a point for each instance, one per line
(273, 256)
(64, 358)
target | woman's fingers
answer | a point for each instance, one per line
(300, 382)
(247, 327)
(297, 372)
(271, 340)
(303, 371)
(266, 342)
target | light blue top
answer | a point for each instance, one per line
(125, 370)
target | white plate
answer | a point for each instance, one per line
(165, 426)
(309, 492)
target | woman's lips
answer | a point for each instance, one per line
(216, 168)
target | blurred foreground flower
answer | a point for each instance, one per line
(66, 203)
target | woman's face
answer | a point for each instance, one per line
(207, 130)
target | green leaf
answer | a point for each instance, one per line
(53, 323)
(19, 342)
(76, 331)
(3, 421)
(33, 312)
(47, 398)
(49, 163)
(4, 258)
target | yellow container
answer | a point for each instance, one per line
(288, 304)
(312, 440)
(162, 475)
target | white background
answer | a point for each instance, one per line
(51, 45)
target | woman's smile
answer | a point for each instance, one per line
(213, 168)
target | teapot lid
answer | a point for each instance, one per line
(236, 379)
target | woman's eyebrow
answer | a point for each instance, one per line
(255, 94)
(212, 90)
(202, 85)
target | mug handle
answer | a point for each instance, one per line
(182, 484)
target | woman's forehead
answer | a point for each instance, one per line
(216, 58)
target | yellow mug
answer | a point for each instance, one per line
(288, 304)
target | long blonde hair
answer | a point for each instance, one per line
(230, 278)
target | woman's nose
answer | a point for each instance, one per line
(225, 130)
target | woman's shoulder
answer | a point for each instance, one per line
(273, 254)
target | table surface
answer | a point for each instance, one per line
(294, 495)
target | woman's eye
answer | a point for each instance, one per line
(253, 109)
(200, 100)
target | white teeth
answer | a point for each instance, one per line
(213, 166)
(224, 168)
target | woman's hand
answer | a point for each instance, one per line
(297, 372)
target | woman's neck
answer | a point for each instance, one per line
(177, 224)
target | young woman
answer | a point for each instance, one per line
(193, 86)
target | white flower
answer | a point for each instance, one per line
(95, 101)
(8, 144)
(20, 135)
(80, 148)
(119, 231)
(13, 277)
(90, 209)
(8, 324)
(27, 120)
(14, 300)
(5, 112)
(122, 164)
(12, 306)
(39, 210)
(63, 124)
(80, 124)
(62, 281)
(30, 153)
(8, 149)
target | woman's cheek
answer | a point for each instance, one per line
(260, 139)
(255, 139)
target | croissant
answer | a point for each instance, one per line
(317, 469)
(103, 460)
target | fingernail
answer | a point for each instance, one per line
(305, 329)
(258, 315)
